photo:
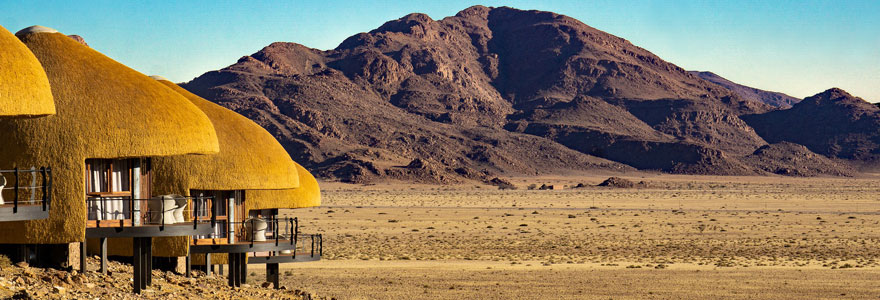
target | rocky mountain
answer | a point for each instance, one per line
(832, 123)
(485, 92)
(775, 99)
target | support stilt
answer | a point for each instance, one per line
(103, 245)
(82, 258)
(273, 274)
(189, 266)
(142, 261)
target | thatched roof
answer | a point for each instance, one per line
(24, 88)
(104, 110)
(307, 195)
(249, 158)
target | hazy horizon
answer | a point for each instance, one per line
(798, 48)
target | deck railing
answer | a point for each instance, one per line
(127, 211)
(40, 180)
(313, 243)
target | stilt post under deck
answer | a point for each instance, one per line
(103, 244)
(142, 261)
(208, 265)
(189, 266)
(273, 274)
(82, 258)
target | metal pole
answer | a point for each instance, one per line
(43, 173)
(82, 257)
(232, 269)
(103, 244)
(243, 266)
(148, 241)
(272, 274)
(208, 264)
(15, 201)
(137, 262)
(189, 266)
(162, 224)
(49, 192)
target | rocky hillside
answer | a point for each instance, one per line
(488, 91)
(775, 99)
(832, 123)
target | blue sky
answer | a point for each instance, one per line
(797, 47)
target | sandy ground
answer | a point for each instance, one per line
(676, 237)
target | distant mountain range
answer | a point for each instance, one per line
(500, 92)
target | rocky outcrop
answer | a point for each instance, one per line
(791, 159)
(832, 123)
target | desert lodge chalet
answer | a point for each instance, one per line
(98, 159)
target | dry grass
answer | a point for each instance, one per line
(680, 237)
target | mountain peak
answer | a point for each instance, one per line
(479, 93)
(834, 96)
(406, 24)
(476, 11)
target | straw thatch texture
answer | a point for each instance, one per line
(307, 195)
(104, 110)
(24, 88)
(249, 158)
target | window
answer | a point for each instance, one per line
(108, 177)
(228, 221)
(108, 187)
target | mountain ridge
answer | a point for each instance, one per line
(489, 92)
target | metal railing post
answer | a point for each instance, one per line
(162, 219)
(213, 213)
(15, 201)
(49, 189)
(43, 173)
(313, 245)
(195, 214)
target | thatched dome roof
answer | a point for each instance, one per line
(102, 100)
(24, 88)
(308, 194)
(249, 158)
(104, 110)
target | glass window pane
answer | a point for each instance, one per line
(99, 169)
(121, 176)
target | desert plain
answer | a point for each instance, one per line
(669, 237)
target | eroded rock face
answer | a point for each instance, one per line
(488, 91)
(832, 123)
